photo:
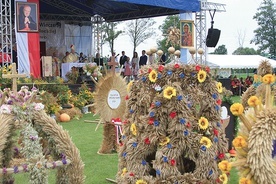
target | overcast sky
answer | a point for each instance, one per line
(238, 19)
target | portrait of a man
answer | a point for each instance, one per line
(27, 17)
(187, 33)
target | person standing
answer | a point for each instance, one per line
(122, 61)
(55, 65)
(135, 65)
(143, 59)
(128, 72)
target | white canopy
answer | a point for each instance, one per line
(238, 61)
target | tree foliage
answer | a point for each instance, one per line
(110, 33)
(265, 34)
(170, 21)
(245, 51)
(221, 50)
(139, 30)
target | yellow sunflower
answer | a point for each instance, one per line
(206, 142)
(129, 85)
(133, 129)
(124, 171)
(268, 79)
(201, 76)
(219, 87)
(223, 178)
(237, 109)
(203, 123)
(141, 182)
(165, 141)
(153, 76)
(239, 142)
(244, 181)
(169, 92)
(225, 166)
(253, 101)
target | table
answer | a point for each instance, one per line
(66, 67)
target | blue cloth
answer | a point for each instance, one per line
(184, 5)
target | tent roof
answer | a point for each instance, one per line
(238, 61)
(113, 10)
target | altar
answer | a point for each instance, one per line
(66, 67)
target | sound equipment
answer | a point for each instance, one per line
(212, 37)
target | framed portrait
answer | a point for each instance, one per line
(26, 17)
(187, 33)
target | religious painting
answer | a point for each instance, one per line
(187, 33)
(26, 17)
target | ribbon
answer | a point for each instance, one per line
(118, 127)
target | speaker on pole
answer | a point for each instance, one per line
(212, 37)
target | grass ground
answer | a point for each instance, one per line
(97, 167)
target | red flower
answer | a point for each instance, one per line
(173, 114)
(151, 120)
(127, 97)
(149, 70)
(141, 71)
(216, 132)
(131, 174)
(197, 67)
(221, 155)
(219, 101)
(207, 69)
(160, 68)
(121, 144)
(188, 125)
(125, 122)
(152, 105)
(147, 141)
(173, 162)
(176, 65)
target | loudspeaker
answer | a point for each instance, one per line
(212, 37)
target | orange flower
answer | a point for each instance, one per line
(237, 109)
(244, 181)
(225, 166)
(253, 101)
(268, 79)
(239, 142)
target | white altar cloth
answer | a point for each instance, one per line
(66, 67)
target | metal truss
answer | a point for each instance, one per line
(200, 25)
(71, 18)
(6, 32)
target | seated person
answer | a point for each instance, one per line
(82, 58)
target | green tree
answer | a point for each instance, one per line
(245, 51)
(110, 33)
(265, 34)
(221, 50)
(139, 30)
(170, 21)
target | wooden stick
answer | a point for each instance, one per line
(111, 180)
(21, 169)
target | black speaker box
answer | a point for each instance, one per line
(212, 37)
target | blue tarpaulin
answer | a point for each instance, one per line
(183, 5)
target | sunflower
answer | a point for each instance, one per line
(223, 178)
(133, 129)
(165, 141)
(219, 87)
(268, 79)
(206, 142)
(239, 142)
(201, 76)
(153, 76)
(169, 92)
(129, 86)
(244, 181)
(141, 182)
(225, 166)
(203, 123)
(253, 101)
(237, 109)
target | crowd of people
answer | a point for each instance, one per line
(239, 85)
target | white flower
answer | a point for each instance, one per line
(39, 106)
(157, 88)
(5, 109)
